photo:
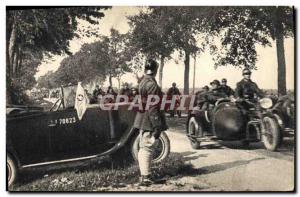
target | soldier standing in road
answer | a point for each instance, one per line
(173, 90)
(150, 122)
(246, 88)
(228, 91)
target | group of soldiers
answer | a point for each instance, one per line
(98, 93)
(245, 89)
(152, 122)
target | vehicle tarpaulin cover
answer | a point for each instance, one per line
(81, 101)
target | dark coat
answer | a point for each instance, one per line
(227, 90)
(153, 118)
(247, 89)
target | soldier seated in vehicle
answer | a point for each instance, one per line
(227, 89)
(216, 93)
(200, 100)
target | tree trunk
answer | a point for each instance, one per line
(110, 80)
(194, 73)
(186, 73)
(15, 62)
(119, 83)
(161, 69)
(11, 48)
(279, 38)
(20, 62)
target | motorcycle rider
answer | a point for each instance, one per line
(150, 122)
(246, 88)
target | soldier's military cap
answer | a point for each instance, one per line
(246, 71)
(217, 82)
(151, 66)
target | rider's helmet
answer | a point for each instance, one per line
(216, 82)
(246, 71)
(173, 84)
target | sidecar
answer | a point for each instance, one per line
(232, 121)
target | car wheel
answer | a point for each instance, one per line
(11, 170)
(271, 135)
(161, 150)
(194, 129)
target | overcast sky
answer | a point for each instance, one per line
(265, 76)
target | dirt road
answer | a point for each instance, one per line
(229, 167)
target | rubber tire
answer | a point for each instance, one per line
(245, 144)
(11, 170)
(198, 129)
(134, 148)
(195, 144)
(275, 132)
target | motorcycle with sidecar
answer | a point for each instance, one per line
(235, 120)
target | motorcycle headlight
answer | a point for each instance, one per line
(266, 103)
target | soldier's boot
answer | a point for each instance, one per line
(148, 180)
(145, 181)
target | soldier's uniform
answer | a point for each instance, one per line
(125, 91)
(247, 89)
(228, 91)
(148, 122)
(173, 91)
(152, 118)
(216, 93)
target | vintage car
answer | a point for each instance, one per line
(36, 137)
(239, 120)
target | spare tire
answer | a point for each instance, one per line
(161, 151)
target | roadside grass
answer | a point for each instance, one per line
(94, 175)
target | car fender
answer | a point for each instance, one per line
(127, 136)
(200, 116)
(14, 155)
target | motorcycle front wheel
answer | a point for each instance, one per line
(271, 135)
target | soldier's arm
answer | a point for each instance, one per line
(259, 92)
(238, 90)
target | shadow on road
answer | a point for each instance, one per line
(189, 170)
